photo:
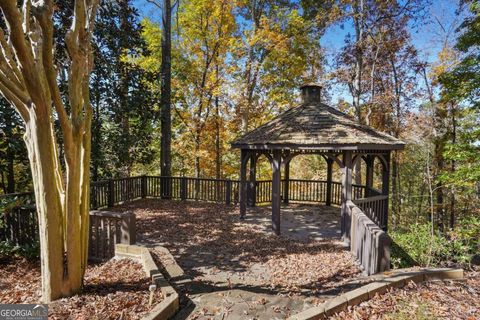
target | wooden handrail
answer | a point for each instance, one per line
(368, 242)
(370, 199)
(107, 193)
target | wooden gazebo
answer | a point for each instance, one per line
(314, 128)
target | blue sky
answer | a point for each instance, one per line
(440, 24)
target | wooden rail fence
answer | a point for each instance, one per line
(368, 242)
(107, 229)
(108, 193)
(19, 226)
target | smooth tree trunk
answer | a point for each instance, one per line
(165, 99)
(218, 150)
(29, 83)
(358, 22)
(453, 166)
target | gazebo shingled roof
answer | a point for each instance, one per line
(316, 125)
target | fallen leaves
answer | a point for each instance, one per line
(430, 300)
(117, 289)
(211, 244)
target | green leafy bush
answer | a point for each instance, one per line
(464, 240)
(418, 245)
(29, 251)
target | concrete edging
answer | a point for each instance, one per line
(169, 306)
(382, 283)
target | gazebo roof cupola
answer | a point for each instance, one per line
(316, 126)
(311, 93)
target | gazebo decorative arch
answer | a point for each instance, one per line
(314, 128)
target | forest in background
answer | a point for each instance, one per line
(238, 63)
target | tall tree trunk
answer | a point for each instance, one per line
(197, 155)
(62, 214)
(165, 100)
(30, 85)
(358, 18)
(396, 192)
(2, 182)
(218, 151)
(438, 146)
(453, 166)
(10, 152)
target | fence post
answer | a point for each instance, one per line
(128, 230)
(93, 197)
(111, 193)
(162, 189)
(228, 190)
(144, 186)
(328, 199)
(183, 188)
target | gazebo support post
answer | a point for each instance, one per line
(286, 182)
(385, 185)
(328, 201)
(386, 175)
(243, 182)
(252, 184)
(276, 189)
(369, 176)
(346, 195)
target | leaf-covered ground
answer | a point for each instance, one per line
(243, 265)
(430, 300)
(211, 242)
(117, 289)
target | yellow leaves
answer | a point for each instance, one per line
(447, 59)
(152, 36)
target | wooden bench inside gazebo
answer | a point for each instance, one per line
(316, 128)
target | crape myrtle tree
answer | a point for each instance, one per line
(29, 81)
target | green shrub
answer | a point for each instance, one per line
(29, 251)
(420, 244)
(417, 245)
(464, 240)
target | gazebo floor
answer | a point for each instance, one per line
(300, 222)
(241, 269)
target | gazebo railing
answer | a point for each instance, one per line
(375, 208)
(307, 191)
(108, 193)
(19, 225)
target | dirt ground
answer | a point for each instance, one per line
(241, 269)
